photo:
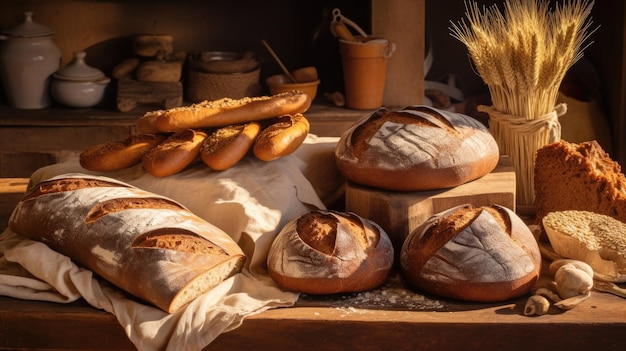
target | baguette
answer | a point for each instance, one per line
(228, 145)
(224, 112)
(282, 137)
(145, 244)
(175, 153)
(115, 155)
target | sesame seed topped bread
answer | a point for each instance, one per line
(596, 239)
(224, 112)
(570, 176)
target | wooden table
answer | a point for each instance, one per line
(350, 322)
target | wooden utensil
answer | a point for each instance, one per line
(280, 63)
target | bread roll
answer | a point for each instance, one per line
(119, 154)
(328, 252)
(226, 146)
(224, 112)
(147, 245)
(282, 137)
(593, 238)
(483, 254)
(416, 148)
(175, 153)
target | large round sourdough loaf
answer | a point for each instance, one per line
(483, 254)
(145, 244)
(328, 252)
(416, 148)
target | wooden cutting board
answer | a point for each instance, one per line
(399, 213)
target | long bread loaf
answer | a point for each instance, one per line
(145, 244)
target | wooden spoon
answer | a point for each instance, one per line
(280, 63)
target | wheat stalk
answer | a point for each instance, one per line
(524, 52)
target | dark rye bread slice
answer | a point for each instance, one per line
(570, 176)
(145, 244)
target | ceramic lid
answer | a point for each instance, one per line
(79, 70)
(29, 28)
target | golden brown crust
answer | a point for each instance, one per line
(328, 252)
(282, 137)
(175, 153)
(224, 112)
(119, 154)
(162, 253)
(472, 253)
(226, 146)
(416, 148)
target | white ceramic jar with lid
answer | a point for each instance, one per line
(28, 58)
(78, 84)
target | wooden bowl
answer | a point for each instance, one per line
(280, 83)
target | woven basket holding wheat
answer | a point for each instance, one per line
(522, 53)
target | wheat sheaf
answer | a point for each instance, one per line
(523, 52)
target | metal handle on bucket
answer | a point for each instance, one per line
(338, 17)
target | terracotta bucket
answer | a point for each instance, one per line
(364, 62)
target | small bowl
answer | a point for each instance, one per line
(280, 84)
(79, 94)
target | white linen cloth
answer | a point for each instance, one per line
(251, 202)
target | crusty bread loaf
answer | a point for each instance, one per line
(224, 112)
(283, 136)
(328, 252)
(593, 238)
(175, 153)
(119, 154)
(483, 254)
(416, 148)
(147, 245)
(226, 146)
(570, 176)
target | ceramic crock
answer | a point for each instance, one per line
(28, 58)
(78, 84)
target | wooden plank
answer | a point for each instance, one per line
(399, 213)
(132, 94)
(402, 22)
(11, 191)
(50, 139)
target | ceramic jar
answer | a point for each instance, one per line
(78, 84)
(28, 58)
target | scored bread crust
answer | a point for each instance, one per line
(282, 137)
(175, 153)
(416, 148)
(228, 145)
(119, 154)
(145, 244)
(328, 252)
(483, 254)
(224, 112)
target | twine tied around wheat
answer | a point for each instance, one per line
(519, 138)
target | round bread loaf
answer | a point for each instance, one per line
(416, 148)
(483, 254)
(328, 252)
